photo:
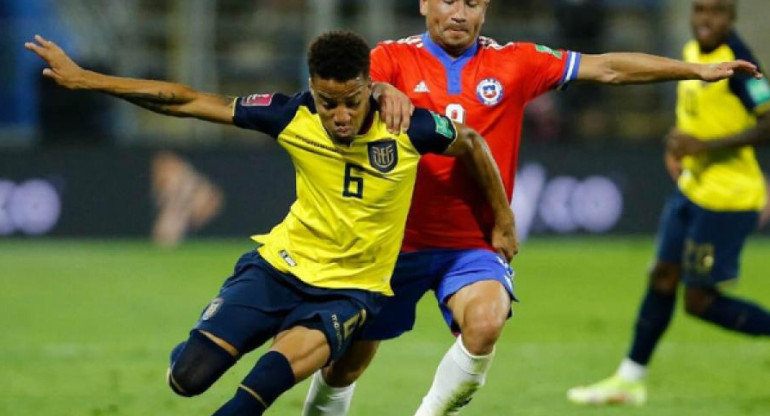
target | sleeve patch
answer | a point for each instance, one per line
(759, 90)
(431, 132)
(545, 49)
(442, 126)
(257, 100)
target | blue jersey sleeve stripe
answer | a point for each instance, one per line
(571, 69)
(566, 68)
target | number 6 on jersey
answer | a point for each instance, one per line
(355, 182)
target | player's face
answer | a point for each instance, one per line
(454, 24)
(342, 106)
(712, 21)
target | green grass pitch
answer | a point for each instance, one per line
(86, 327)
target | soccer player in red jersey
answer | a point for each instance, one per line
(452, 70)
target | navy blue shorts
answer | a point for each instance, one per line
(258, 302)
(706, 243)
(443, 271)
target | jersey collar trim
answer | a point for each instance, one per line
(453, 66)
(369, 120)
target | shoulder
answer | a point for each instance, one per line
(740, 49)
(489, 44)
(275, 101)
(270, 113)
(753, 93)
(409, 43)
(526, 52)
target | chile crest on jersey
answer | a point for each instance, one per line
(490, 91)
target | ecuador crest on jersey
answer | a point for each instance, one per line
(383, 155)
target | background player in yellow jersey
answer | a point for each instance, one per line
(321, 272)
(706, 222)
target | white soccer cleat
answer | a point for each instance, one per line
(612, 390)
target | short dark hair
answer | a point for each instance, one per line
(339, 55)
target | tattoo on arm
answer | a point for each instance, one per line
(169, 103)
(159, 102)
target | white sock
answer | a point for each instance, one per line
(630, 370)
(325, 400)
(458, 376)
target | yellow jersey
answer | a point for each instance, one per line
(345, 228)
(729, 179)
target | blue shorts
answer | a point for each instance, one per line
(258, 302)
(443, 271)
(706, 243)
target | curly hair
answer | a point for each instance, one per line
(339, 55)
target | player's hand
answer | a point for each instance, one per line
(63, 70)
(717, 72)
(680, 145)
(504, 240)
(395, 107)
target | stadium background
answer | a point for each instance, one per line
(88, 182)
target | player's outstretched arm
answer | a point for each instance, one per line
(159, 96)
(639, 68)
(680, 144)
(470, 146)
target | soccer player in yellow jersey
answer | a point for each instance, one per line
(319, 274)
(706, 222)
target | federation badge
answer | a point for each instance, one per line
(257, 100)
(490, 91)
(759, 90)
(383, 155)
(443, 126)
(212, 309)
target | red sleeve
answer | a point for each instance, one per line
(547, 68)
(382, 65)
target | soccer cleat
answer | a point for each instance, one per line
(612, 390)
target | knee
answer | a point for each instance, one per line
(196, 365)
(698, 300)
(176, 377)
(665, 277)
(183, 383)
(481, 329)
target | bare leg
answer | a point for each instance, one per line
(480, 309)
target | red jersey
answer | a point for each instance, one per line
(486, 88)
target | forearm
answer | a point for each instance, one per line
(639, 68)
(159, 96)
(760, 134)
(482, 167)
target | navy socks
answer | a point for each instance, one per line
(270, 377)
(738, 315)
(652, 321)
